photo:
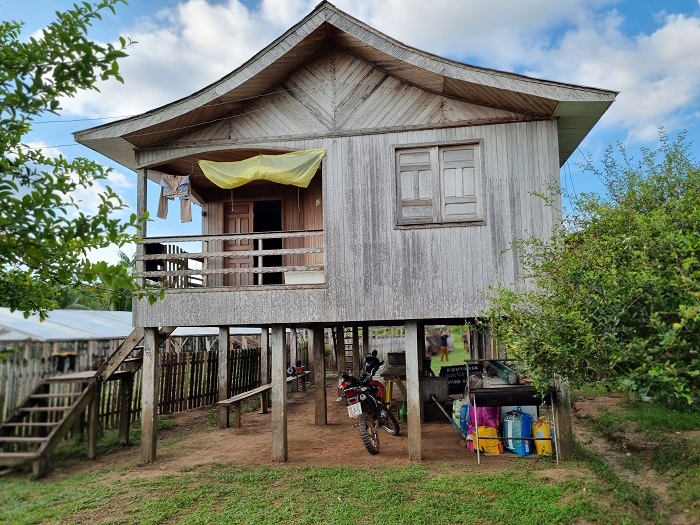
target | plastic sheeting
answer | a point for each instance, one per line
(296, 168)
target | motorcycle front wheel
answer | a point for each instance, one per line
(388, 422)
(368, 433)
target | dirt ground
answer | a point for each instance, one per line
(196, 441)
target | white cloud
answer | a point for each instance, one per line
(87, 197)
(499, 33)
(182, 49)
(178, 52)
(658, 74)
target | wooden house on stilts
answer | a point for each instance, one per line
(344, 178)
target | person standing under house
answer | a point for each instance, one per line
(443, 345)
(465, 341)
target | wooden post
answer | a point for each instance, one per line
(365, 339)
(126, 393)
(39, 467)
(293, 347)
(415, 452)
(149, 395)
(293, 351)
(356, 357)
(264, 365)
(93, 421)
(421, 365)
(279, 394)
(224, 373)
(562, 419)
(340, 349)
(319, 359)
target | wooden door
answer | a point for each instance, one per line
(239, 219)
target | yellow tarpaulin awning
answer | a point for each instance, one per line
(296, 168)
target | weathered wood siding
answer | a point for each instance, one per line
(376, 271)
(337, 93)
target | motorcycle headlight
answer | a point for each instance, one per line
(363, 397)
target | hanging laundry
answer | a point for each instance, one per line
(172, 186)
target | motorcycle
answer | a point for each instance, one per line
(364, 401)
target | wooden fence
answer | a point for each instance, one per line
(188, 379)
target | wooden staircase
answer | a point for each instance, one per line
(57, 406)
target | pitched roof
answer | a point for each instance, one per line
(577, 108)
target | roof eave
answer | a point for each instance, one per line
(574, 121)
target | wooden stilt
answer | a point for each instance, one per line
(415, 452)
(149, 396)
(93, 422)
(224, 374)
(279, 395)
(365, 339)
(421, 364)
(340, 348)
(293, 347)
(126, 393)
(319, 359)
(39, 467)
(264, 367)
(356, 357)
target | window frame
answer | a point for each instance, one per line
(439, 217)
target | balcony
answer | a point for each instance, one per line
(247, 261)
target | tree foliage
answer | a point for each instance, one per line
(616, 291)
(45, 236)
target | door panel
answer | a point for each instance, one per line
(239, 219)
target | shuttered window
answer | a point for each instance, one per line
(439, 184)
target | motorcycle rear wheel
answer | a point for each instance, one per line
(388, 422)
(368, 433)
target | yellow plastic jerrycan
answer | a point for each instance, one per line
(541, 429)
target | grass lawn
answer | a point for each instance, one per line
(304, 495)
(525, 491)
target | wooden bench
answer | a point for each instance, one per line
(235, 401)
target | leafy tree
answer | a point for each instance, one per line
(615, 292)
(44, 235)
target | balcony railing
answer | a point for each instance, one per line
(238, 260)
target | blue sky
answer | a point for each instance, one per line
(648, 50)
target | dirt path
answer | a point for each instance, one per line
(616, 455)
